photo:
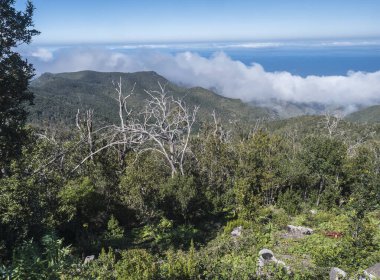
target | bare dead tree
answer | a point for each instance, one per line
(257, 127)
(352, 145)
(115, 136)
(331, 122)
(219, 131)
(166, 127)
(124, 116)
(85, 127)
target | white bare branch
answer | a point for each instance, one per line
(164, 126)
(331, 122)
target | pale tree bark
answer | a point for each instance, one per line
(124, 114)
(85, 127)
(115, 136)
(164, 127)
(219, 132)
(331, 123)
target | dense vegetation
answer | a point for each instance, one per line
(367, 115)
(139, 219)
(15, 28)
(142, 202)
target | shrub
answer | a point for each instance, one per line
(136, 264)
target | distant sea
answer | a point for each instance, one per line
(304, 62)
(321, 58)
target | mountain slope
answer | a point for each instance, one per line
(369, 114)
(59, 96)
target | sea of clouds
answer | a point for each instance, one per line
(230, 78)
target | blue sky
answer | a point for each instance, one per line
(118, 21)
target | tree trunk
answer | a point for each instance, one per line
(320, 192)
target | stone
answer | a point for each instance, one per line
(266, 256)
(237, 231)
(299, 230)
(313, 211)
(373, 272)
(336, 273)
(89, 259)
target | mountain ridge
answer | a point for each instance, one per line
(59, 96)
(366, 115)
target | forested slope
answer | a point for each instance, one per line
(59, 96)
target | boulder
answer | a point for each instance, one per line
(237, 231)
(89, 259)
(266, 256)
(373, 272)
(299, 230)
(336, 273)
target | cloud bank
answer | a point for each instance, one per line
(228, 77)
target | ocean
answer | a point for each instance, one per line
(312, 61)
(321, 58)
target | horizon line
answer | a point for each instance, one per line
(200, 41)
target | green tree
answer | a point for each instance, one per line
(258, 174)
(217, 163)
(363, 181)
(15, 74)
(324, 157)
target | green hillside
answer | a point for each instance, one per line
(369, 114)
(59, 96)
(302, 126)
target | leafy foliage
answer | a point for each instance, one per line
(15, 74)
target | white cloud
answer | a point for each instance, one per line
(229, 77)
(43, 54)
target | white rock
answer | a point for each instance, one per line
(237, 231)
(373, 272)
(299, 230)
(336, 273)
(89, 259)
(266, 256)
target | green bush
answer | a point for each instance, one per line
(290, 201)
(104, 267)
(277, 216)
(180, 265)
(136, 264)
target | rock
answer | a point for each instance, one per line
(266, 256)
(336, 273)
(299, 230)
(237, 231)
(287, 268)
(89, 259)
(313, 211)
(373, 272)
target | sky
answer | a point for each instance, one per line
(120, 21)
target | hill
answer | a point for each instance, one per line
(288, 109)
(369, 115)
(59, 96)
(349, 132)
